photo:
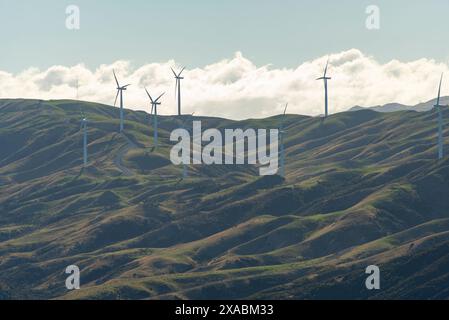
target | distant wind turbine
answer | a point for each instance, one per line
(438, 106)
(154, 105)
(77, 85)
(325, 79)
(120, 91)
(281, 134)
(84, 128)
(178, 87)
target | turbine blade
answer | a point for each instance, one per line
(113, 71)
(159, 97)
(439, 90)
(181, 71)
(173, 71)
(283, 117)
(126, 86)
(149, 95)
(286, 106)
(116, 97)
(325, 70)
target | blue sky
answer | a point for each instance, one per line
(198, 32)
(244, 58)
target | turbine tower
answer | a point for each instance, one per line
(154, 105)
(281, 133)
(178, 87)
(120, 91)
(325, 78)
(438, 106)
(185, 173)
(84, 128)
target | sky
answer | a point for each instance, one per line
(243, 58)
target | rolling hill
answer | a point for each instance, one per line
(394, 107)
(361, 188)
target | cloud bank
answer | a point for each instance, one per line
(236, 88)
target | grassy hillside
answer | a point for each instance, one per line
(361, 188)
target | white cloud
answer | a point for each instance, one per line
(237, 88)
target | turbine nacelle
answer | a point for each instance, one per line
(154, 103)
(123, 88)
(178, 75)
(119, 88)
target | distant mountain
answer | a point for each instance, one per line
(361, 188)
(393, 107)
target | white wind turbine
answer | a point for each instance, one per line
(282, 152)
(325, 78)
(438, 106)
(84, 128)
(178, 87)
(154, 105)
(77, 87)
(120, 90)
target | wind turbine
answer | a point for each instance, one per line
(281, 133)
(77, 88)
(178, 87)
(440, 122)
(325, 79)
(120, 91)
(154, 104)
(84, 127)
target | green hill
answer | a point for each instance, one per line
(361, 188)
